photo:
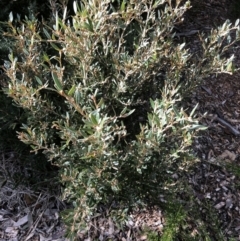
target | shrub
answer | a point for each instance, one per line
(103, 97)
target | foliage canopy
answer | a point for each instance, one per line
(102, 97)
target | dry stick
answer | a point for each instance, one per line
(223, 122)
(230, 127)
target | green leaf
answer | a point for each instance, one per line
(38, 80)
(10, 56)
(45, 57)
(94, 119)
(46, 33)
(150, 119)
(128, 114)
(90, 25)
(55, 46)
(176, 111)
(196, 127)
(72, 90)
(224, 26)
(152, 103)
(57, 82)
(98, 24)
(229, 67)
(101, 103)
(159, 2)
(123, 6)
(193, 111)
(77, 96)
(123, 111)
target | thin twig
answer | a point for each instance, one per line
(229, 126)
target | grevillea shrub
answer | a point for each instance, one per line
(102, 93)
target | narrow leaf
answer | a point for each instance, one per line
(94, 119)
(128, 114)
(45, 57)
(10, 17)
(193, 111)
(123, 111)
(152, 103)
(57, 21)
(55, 46)
(75, 7)
(101, 102)
(198, 127)
(77, 96)
(72, 90)
(90, 25)
(237, 22)
(64, 13)
(229, 67)
(181, 46)
(46, 33)
(38, 80)
(10, 56)
(57, 82)
(123, 6)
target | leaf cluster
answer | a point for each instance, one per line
(102, 96)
